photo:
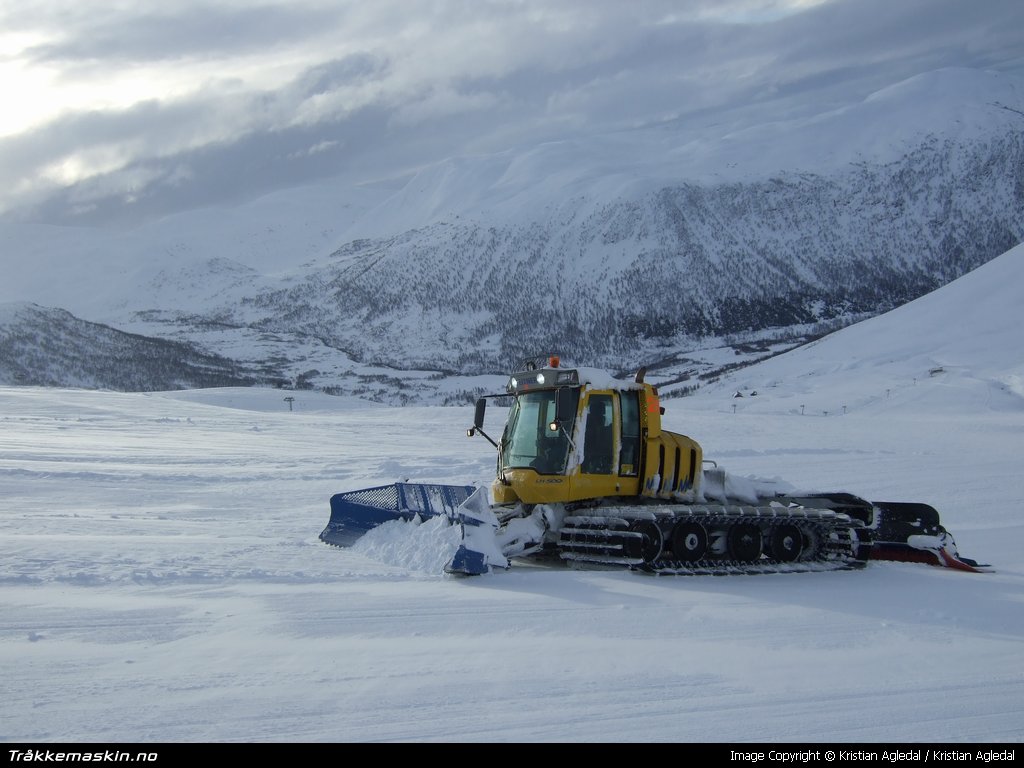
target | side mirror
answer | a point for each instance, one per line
(564, 404)
(478, 422)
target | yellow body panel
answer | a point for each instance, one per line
(673, 465)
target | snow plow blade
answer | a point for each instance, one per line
(910, 532)
(353, 513)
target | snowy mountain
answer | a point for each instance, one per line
(963, 338)
(52, 347)
(617, 251)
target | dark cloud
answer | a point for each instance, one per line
(154, 32)
(338, 73)
(372, 88)
(218, 174)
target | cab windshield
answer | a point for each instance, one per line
(529, 440)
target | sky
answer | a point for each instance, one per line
(119, 111)
(153, 592)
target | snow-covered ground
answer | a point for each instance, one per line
(161, 578)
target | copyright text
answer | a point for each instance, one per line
(863, 755)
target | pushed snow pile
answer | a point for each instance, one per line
(416, 546)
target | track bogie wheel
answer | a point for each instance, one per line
(744, 542)
(786, 543)
(649, 544)
(689, 542)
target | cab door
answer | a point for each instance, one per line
(599, 448)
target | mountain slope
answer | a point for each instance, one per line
(963, 336)
(615, 283)
(51, 347)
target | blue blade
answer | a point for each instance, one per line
(467, 562)
(353, 513)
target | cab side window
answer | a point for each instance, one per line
(629, 455)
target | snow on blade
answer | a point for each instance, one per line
(419, 546)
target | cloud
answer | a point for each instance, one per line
(136, 107)
(147, 32)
